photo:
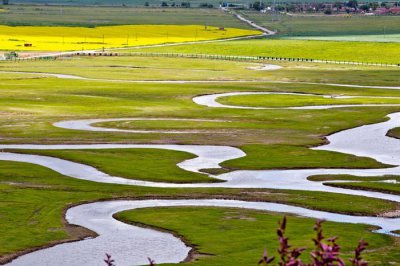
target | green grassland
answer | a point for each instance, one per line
(323, 50)
(395, 133)
(144, 68)
(322, 25)
(163, 68)
(372, 186)
(29, 104)
(170, 125)
(293, 100)
(351, 178)
(107, 3)
(238, 237)
(371, 183)
(391, 38)
(17, 15)
(29, 107)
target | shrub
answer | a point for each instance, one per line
(325, 253)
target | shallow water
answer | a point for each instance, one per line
(131, 245)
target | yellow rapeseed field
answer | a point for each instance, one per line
(37, 38)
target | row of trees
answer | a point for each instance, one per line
(350, 5)
(182, 4)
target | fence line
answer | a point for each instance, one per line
(204, 56)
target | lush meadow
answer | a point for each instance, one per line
(323, 50)
(322, 25)
(233, 236)
(388, 38)
(298, 100)
(169, 69)
(93, 16)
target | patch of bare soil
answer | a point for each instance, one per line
(391, 214)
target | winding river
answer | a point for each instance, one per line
(131, 245)
(211, 101)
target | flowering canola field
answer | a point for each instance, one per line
(38, 38)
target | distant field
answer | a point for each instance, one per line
(355, 38)
(94, 16)
(79, 38)
(323, 25)
(194, 3)
(324, 50)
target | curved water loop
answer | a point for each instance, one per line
(131, 245)
(89, 125)
(210, 100)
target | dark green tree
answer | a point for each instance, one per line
(352, 3)
(258, 6)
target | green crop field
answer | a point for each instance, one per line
(388, 38)
(323, 50)
(322, 25)
(32, 15)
